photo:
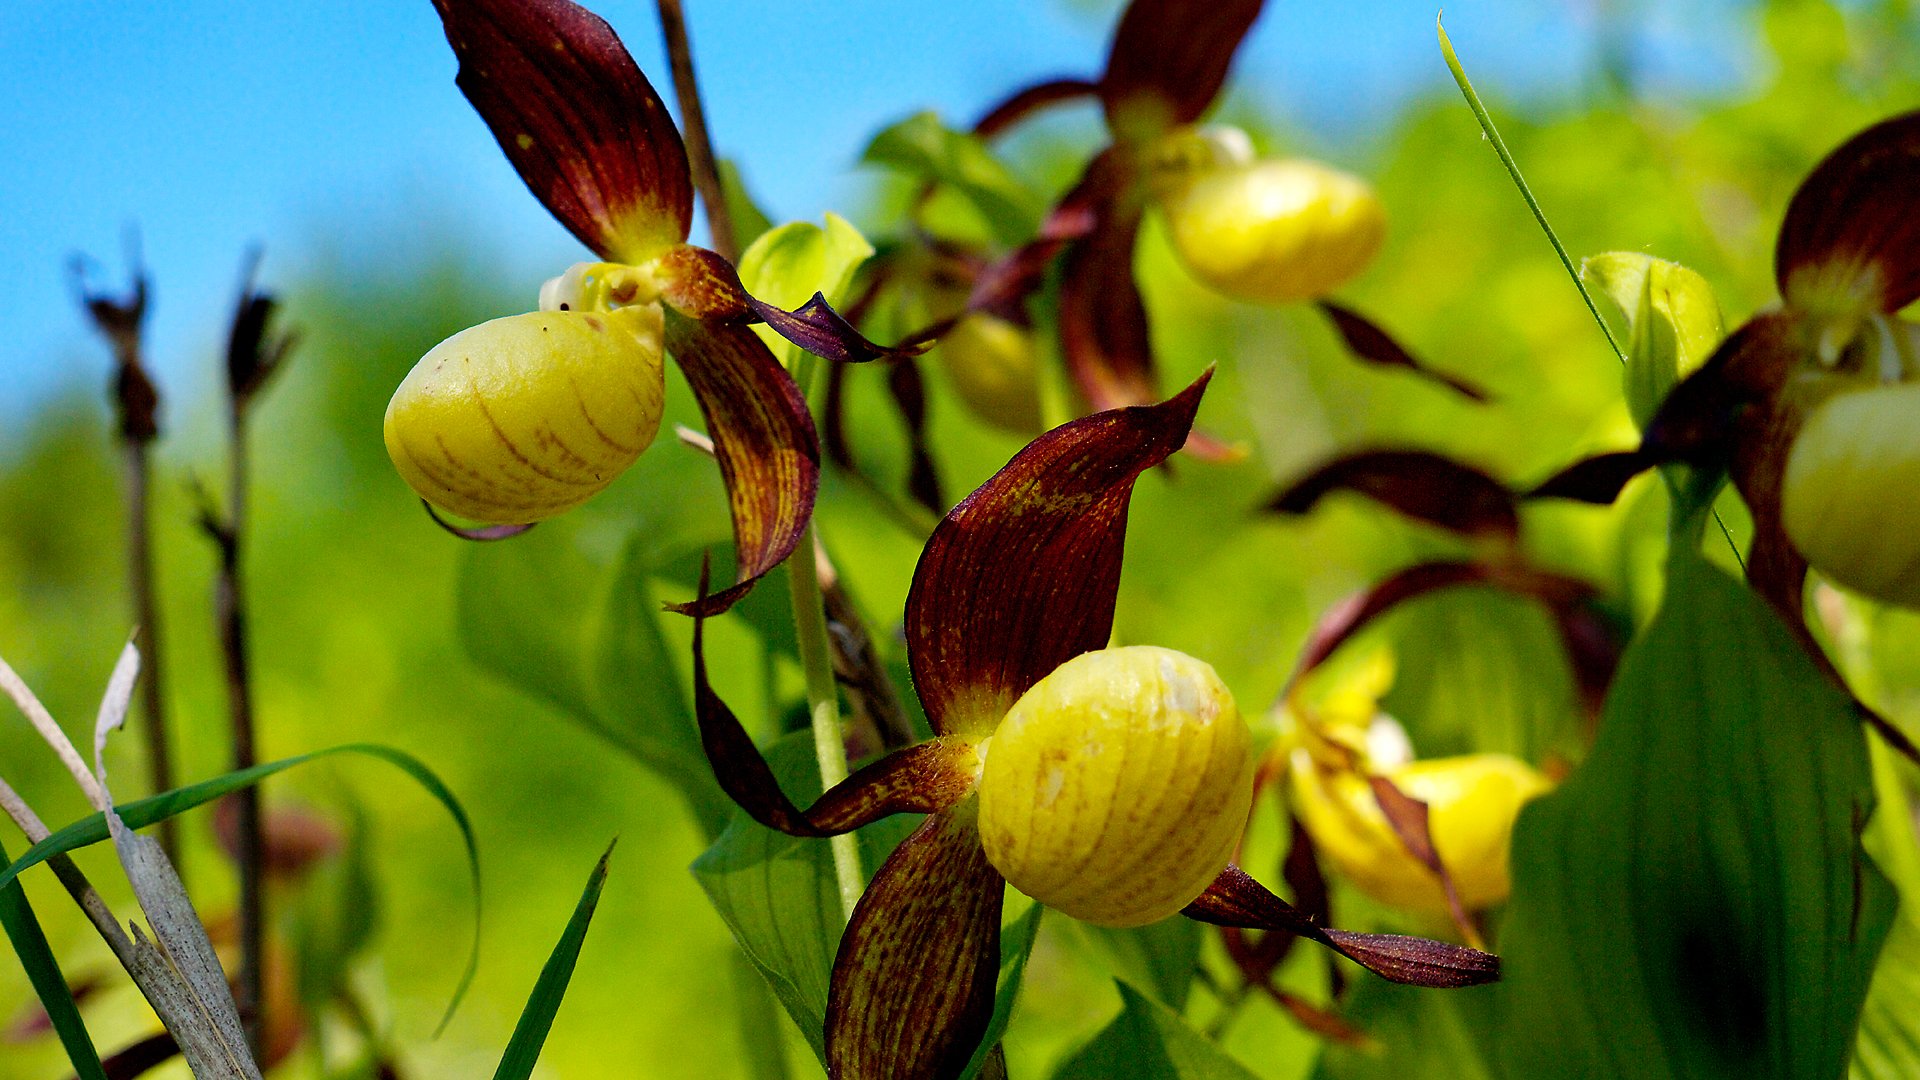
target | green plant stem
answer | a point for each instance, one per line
(1519, 181)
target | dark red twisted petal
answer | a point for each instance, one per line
(1858, 214)
(700, 284)
(919, 779)
(477, 533)
(1236, 899)
(1021, 576)
(1169, 60)
(1028, 100)
(913, 983)
(1370, 344)
(1420, 484)
(763, 438)
(577, 119)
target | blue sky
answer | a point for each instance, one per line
(330, 131)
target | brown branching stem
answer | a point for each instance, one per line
(693, 120)
(121, 322)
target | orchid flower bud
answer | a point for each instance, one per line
(1117, 787)
(1274, 231)
(1850, 499)
(993, 367)
(521, 418)
(1471, 800)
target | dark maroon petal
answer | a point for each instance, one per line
(481, 533)
(1235, 899)
(1003, 287)
(1856, 219)
(1029, 100)
(1409, 818)
(1021, 576)
(578, 120)
(1103, 322)
(913, 983)
(1169, 60)
(763, 438)
(1597, 480)
(1418, 483)
(702, 285)
(1352, 615)
(909, 395)
(1372, 345)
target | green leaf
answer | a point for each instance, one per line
(922, 146)
(1016, 945)
(1149, 1041)
(49, 982)
(1695, 901)
(519, 613)
(1667, 315)
(791, 262)
(1159, 957)
(637, 690)
(1888, 1043)
(779, 896)
(536, 1019)
(155, 808)
(1413, 1032)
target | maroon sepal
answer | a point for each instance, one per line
(920, 779)
(1021, 576)
(1236, 899)
(577, 119)
(1169, 60)
(909, 394)
(913, 983)
(1410, 821)
(1027, 101)
(1002, 287)
(1597, 480)
(1348, 617)
(701, 285)
(1854, 216)
(1371, 344)
(1420, 484)
(1103, 322)
(479, 533)
(763, 438)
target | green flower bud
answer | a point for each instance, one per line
(1664, 315)
(1274, 231)
(1117, 787)
(521, 418)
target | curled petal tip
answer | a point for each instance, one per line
(479, 533)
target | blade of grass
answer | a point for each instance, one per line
(1519, 181)
(43, 971)
(536, 1020)
(143, 812)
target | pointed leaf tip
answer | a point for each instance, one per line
(577, 119)
(1021, 576)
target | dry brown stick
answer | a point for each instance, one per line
(137, 401)
(693, 120)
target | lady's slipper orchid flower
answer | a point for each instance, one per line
(1112, 782)
(1271, 232)
(523, 417)
(1811, 406)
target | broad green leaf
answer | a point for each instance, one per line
(536, 1019)
(791, 262)
(1694, 901)
(1665, 314)
(1149, 1041)
(48, 981)
(1481, 671)
(778, 894)
(637, 689)
(1159, 957)
(520, 619)
(155, 808)
(922, 146)
(1016, 945)
(1413, 1033)
(749, 221)
(1888, 1044)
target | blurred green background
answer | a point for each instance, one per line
(358, 636)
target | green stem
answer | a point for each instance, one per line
(823, 691)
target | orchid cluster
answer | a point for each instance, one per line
(1111, 783)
